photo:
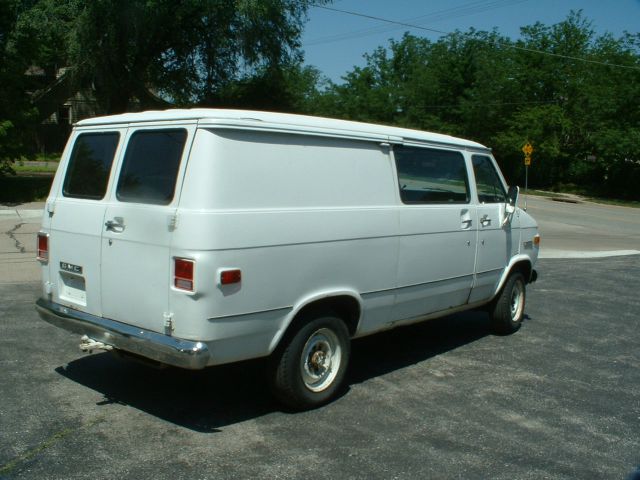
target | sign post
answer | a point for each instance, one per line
(527, 149)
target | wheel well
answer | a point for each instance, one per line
(345, 307)
(524, 267)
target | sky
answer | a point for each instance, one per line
(335, 42)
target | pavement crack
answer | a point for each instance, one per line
(49, 442)
(18, 244)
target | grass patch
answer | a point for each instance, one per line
(538, 193)
(30, 168)
(24, 188)
(613, 201)
(585, 196)
(38, 164)
(41, 157)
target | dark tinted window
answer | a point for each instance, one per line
(490, 189)
(150, 166)
(90, 165)
(431, 176)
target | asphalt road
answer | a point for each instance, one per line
(575, 230)
(445, 399)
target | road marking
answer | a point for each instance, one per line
(577, 254)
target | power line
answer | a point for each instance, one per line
(471, 8)
(503, 44)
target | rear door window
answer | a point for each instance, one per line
(90, 165)
(150, 167)
(431, 176)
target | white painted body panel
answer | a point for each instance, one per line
(306, 208)
(428, 279)
(496, 246)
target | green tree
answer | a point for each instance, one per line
(289, 88)
(546, 127)
(158, 51)
(143, 54)
(554, 87)
(13, 108)
(32, 34)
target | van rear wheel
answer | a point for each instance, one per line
(309, 366)
(507, 310)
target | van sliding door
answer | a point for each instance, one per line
(139, 220)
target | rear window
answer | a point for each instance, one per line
(431, 176)
(150, 166)
(90, 164)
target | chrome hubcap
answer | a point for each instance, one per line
(517, 301)
(320, 361)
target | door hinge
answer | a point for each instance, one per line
(172, 222)
(168, 323)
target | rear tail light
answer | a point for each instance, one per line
(183, 270)
(43, 247)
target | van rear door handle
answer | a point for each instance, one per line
(116, 225)
(485, 220)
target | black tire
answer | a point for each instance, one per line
(507, 310)
(300, 374)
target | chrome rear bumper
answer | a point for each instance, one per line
(152, 345)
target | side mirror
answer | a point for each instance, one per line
(510, 207)
(512, 199)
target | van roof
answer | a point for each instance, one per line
(280, 120)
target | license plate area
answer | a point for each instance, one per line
(73, 288)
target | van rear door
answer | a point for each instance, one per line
(139, 220)
(76, 218)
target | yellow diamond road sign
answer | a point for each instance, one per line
(527, 149)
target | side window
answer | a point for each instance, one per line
(150, 166)
(431, 176)
(90, 164)
(490, 189)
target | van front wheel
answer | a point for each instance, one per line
(309, 367)
(507, 310)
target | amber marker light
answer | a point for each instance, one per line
(230, 277)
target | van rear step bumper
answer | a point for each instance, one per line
(153, 345)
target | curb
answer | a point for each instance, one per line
(565, 200)
(556, 254)
(12, 214)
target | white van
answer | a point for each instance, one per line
(201, 237)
